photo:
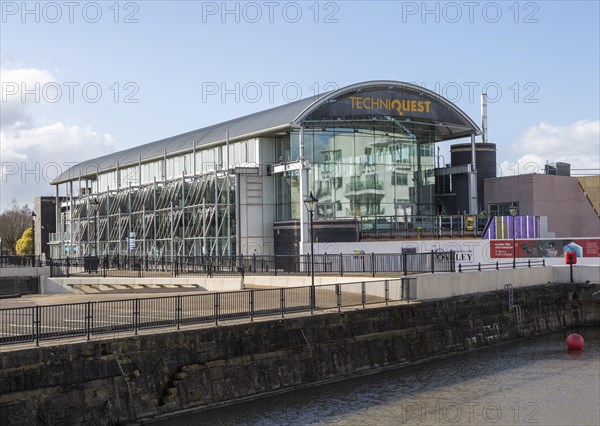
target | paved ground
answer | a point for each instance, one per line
(57, 299)
(125, 313)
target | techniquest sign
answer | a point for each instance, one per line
(398, 105)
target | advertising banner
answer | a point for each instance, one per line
(548, 248)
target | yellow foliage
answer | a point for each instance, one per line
(24, 244)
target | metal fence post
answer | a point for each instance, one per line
(36, 322)
(282, 300)
(404, 263)
(363, 293)
(341, 265)
(178, 309)
(251, 304)
(402, 288)
(136, 315)
(432, 262)
(216, 308)
(387, 292)
(67, 266)
(373, 263)
(338, 296)
(88, 319)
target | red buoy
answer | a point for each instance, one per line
(575, 342)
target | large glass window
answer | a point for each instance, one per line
(287, 196)
(366, 168)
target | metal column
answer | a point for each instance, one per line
(473, 179)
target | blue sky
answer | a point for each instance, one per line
(96, 86)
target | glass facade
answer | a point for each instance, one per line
(187, 217)
(362, 170)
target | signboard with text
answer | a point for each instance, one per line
(545, 248)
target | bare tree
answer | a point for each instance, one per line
(13, 221)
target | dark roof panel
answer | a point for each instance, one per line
(254, 123)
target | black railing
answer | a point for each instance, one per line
(529, 263)
(205, 266)
(9, 261)
(421, 226)
(38, 323)
(144, 267)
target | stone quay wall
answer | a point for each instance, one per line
(133, 379)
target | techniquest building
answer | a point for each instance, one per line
(367, 152)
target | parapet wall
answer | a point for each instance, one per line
(434, 286)
(129, 379)
(60, 285)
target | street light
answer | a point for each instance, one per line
(33, 216)
(311, 203)
(514, 210)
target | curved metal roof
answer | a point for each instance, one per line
(281, 118)
(268, 121)
(449, 120)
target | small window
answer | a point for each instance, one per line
(501, 209)
(399, 179)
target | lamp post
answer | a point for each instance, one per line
(33, 216)
(514, 211)
(311, 203)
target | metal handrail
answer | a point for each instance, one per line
(209, 266)
(87, 319)
(530, 263)
(10, 261)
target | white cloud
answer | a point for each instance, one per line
(34, 152)
(577, 144)
(14, 86)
